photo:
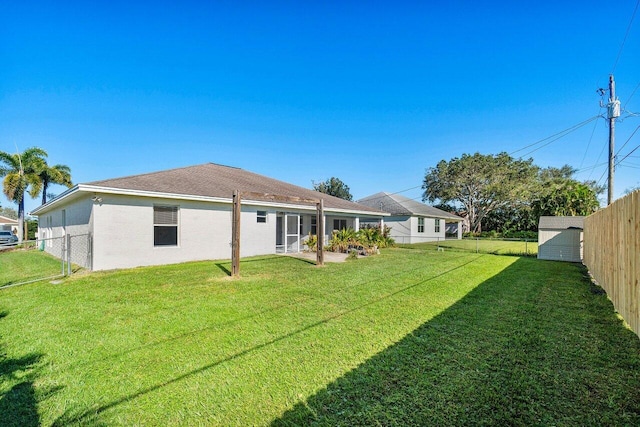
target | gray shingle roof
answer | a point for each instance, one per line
(399, 205)
(213, 180)
(561, 222)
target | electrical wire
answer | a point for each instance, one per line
(628, 139)
(590, 139)
(626, 34)
(598, 159)
(622, 159)
(630, 96)
(555, 137)
(591, 168)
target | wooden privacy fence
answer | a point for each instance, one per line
(612, 254)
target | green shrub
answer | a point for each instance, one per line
(312, 242)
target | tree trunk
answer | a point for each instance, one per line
(44, 192)
(21, 220)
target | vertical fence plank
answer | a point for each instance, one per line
(612, 252)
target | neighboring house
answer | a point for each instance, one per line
(560, 238)
(185, 214)
(412, 221)
(8, 224)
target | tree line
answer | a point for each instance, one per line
(29, 173)
(497, 192)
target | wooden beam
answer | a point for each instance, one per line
(277, 198)
(320, 232)
(235, 235)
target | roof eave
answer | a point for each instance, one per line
(86, 188)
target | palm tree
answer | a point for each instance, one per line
(20, 172)
(57, 174)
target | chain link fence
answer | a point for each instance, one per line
(501, 246)
(44, 259)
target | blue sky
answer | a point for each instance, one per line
(373, 93)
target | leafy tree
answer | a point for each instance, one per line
(9, 213)
(554, 191)
(334, 187)
(481, 184)
(20, 172)
(57, 174)
(567, 198)
(32, 228)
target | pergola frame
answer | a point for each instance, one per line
(235, 223)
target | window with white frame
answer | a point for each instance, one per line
(165, 226)
(314, 225)
(420, 225)
(261, 216)
(339, 224)
(437, 227)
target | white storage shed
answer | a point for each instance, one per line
(560, 238)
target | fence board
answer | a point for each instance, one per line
(612, 254)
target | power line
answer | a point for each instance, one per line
(555, 136)
(622, 159)
(599, 156)
(630, 96)
(628, 139)
(591, 168)
(615, 64)
(590, 139)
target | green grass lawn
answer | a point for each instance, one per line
(483, 246)
(23, 265)
(408, 337)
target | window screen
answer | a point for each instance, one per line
(339, 224)
(165, 225)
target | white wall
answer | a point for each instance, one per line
(76, 221)
(123, 232)
(404, 229)
(560, 245)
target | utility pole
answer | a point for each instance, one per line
(236, 212)
(613, 112)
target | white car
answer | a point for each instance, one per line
(8, 238)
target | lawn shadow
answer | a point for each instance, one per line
(507, 353)
(224, 269)
(19, 404)
(225, 266)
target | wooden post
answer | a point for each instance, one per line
(235, 235)
(320, 232)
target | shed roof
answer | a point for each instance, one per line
(399, 205)
(216, 181)
(561, 222)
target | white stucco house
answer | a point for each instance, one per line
(412, 221)
(8, 224)
(185, 214)
(560, 238)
